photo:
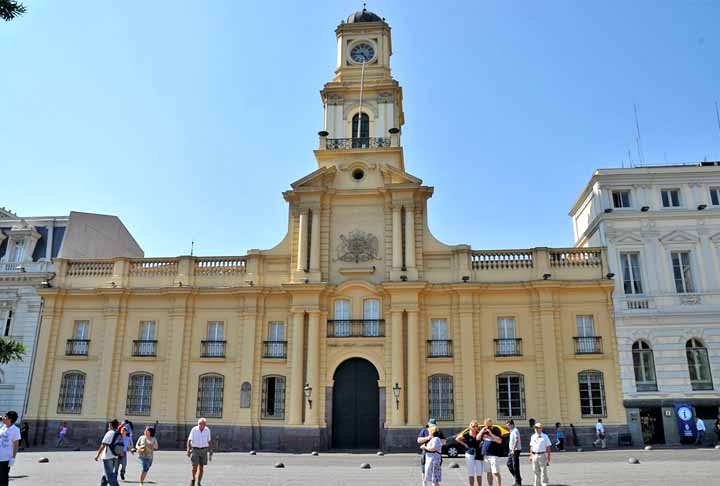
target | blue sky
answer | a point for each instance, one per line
(188, 119)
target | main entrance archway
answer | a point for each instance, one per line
(356, 406)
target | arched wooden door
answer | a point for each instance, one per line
(356, 406)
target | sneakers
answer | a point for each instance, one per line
(122, 475)
(192, 482)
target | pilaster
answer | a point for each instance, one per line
(295, 395)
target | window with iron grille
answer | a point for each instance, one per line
(510, 396)
(698, 365)
(210, 396)
(245, 395)
(644, 366)
(139, 394)
(273, 397)
(440, 397)
(72, 389)
(592, 394)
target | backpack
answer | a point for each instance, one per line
(117, 446)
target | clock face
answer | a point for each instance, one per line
(684, 413)
(362, 52)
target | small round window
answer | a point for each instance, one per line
(358, 174)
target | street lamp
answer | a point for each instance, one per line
(307, 391)
(396, 391)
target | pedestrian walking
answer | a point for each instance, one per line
(473, 458)
(717, 428)
(433, 458)
(127, 447)
(199, 450)
(423, 438)
(146, 445)
(9, 444)
(515, 445)
(700, 427)
(25, 436)
(540, 456)
(62, 432)
(108, 444)
(490, 438)
(559, 437)
(600, 435)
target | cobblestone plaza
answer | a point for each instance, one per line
(172, 468)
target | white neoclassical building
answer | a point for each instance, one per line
(661, 226)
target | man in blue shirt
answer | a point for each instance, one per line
(515, 444)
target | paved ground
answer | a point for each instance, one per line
(171, 468)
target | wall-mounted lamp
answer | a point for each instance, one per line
(608, 210)
(547, 276)
(250, 282)
(396, 393)
(46, 284)
(307, 280)
(393, 131)
(645, 209)
(403, 278)
(466, 278)
(112, 284)
(307, 391)
(323, 133)
(610, 276)
(701, 207)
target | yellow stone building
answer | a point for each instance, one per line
(352, 331)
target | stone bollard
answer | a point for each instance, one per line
(380, 453)
(364, 465)
(252, 453)
(314, 453)
(579, 449)
(633, 460)
(648, 448)
(279, 465)
(43, 460)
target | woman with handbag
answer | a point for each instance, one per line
(146, 445)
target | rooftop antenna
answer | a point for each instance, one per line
(638, 140)
(630, 158)
(192, 247)
(717, 114)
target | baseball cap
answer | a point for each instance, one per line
(432, 421)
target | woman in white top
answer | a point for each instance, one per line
(433, 458)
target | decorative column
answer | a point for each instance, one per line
(467, 360)
(410, 237)
(413, 384)
(397, 415)
(315, 241)
(295, 395)
(302, 241)
(313, 368)
(396, 238)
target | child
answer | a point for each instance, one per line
(559, 437)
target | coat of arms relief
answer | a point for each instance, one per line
(358, 246)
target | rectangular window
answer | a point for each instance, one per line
(670, 198)
(80, 343)
(440, 395)
(82, 330)
(146, 343)
(18, 252)
(342, 318)
(507, 344)
(682, 273)
(8, 322)
(276, 343)
(147, 330)
(273, 397)
(214, 346)
(439, 344)
(592, 394)
(510, 396)
(371, 315)
(139, 394)
(585, 326)
(715, 196)
(621, 199)
(210, 396)
(72, 390)
(632, 281)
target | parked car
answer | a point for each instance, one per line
(453, 448)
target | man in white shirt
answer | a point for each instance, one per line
(600, 435)
(540, 455)
(700, 426)
(199, 447)
(108, 457)
(9, 442)
(515, 444)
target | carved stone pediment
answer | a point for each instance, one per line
(357, 247)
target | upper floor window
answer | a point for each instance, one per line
(139, 394)
(440, 397)
(276, 345)
(585, 326)
(371, 315)
(273, 397)
(621, 199)
(698, 365)
(72, 390)
(80, 342)
(146, 343)
(632, 281)
(8, 322)
(670, 198)
(18, 251)
(592, 394)
(214, 346)
(510, 396)
(682, 273)
(210, 395)
(507, 344)
(360, 129)
(715, 196)
(586, 342)
(644, 366)
(439, 344)
(342, 317)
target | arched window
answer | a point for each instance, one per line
(361, 137)
(210, 395)
(644, 365)
(510, 395)
(592, 393)
(72, 390)
(139, 394)
(440, 397)
(273, 397)
(245, 395)
(698, 365)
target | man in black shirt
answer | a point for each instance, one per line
(490, 438)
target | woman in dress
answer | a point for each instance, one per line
(146, 445)
(433, 458)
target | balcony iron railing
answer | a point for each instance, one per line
(144, 347)
(274, 349)
(77, 347)
(212, 349)
(588, 345)
(356, 328)
(508, 347)
(439, 348)
(356, 143)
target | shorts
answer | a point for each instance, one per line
(199, 456)
(491, 464)
(145, 463)
(474, 466)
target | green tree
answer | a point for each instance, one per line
(9, 9)
(10, 350)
